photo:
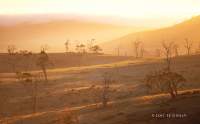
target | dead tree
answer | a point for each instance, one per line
(176, 49)
(167, 49)
(30, 81)
(136, 46)
(36, 80)
(45, 47)
(90, 44)
(96, 49)
(11, 49)
(12, 57)
(42, 62)
(142, 50)
(107, 80)
(67, 46)
(164, 82)
(188, 46)
(80, 48)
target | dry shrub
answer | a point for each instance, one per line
(107, 79)
(164, 82)
(196, 92)
(68, 117)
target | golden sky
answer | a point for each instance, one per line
(142, 13)
(115, 8)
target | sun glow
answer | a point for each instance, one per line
(120, 8)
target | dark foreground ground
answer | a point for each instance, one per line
(74, 93)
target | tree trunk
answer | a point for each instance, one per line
(45, 73)
(173, 95)
(35, 97)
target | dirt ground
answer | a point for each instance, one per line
(78, 90)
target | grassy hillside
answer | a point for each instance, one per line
(152, 39)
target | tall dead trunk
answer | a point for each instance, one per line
(35, 97)
(172, 93)
(45, 73)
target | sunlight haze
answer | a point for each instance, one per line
(129, 9)
(54, 21)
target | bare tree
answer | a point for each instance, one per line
(107, 80)
(30, 82)
(36, 80)
(67, 46)
(142, 50)
(42, 62)
(80, 48)
(96, 49)
(12, 57)
(136, 46)
(45, 47)
(188, 46)
(164, 81)
(167, 49)
(11, 49)
(176, 49)
(90, 44)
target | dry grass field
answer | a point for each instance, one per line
(73, 94)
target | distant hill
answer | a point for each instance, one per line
(152, 39)
(31, 35)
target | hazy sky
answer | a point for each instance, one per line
(141, 13)
(130, 9)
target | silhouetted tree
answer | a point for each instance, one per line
(67, 46)
(107, 80)
(164, 81)
(142, 50)
(12, 57)
(37, 80)
(80, 48)
(90, 45)
(96, 49)
(11, 49)
(176, 49)
(188, 46)
(45, 47)
(136, 45)
(167, 49)
(42, 62)
(30, 80)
